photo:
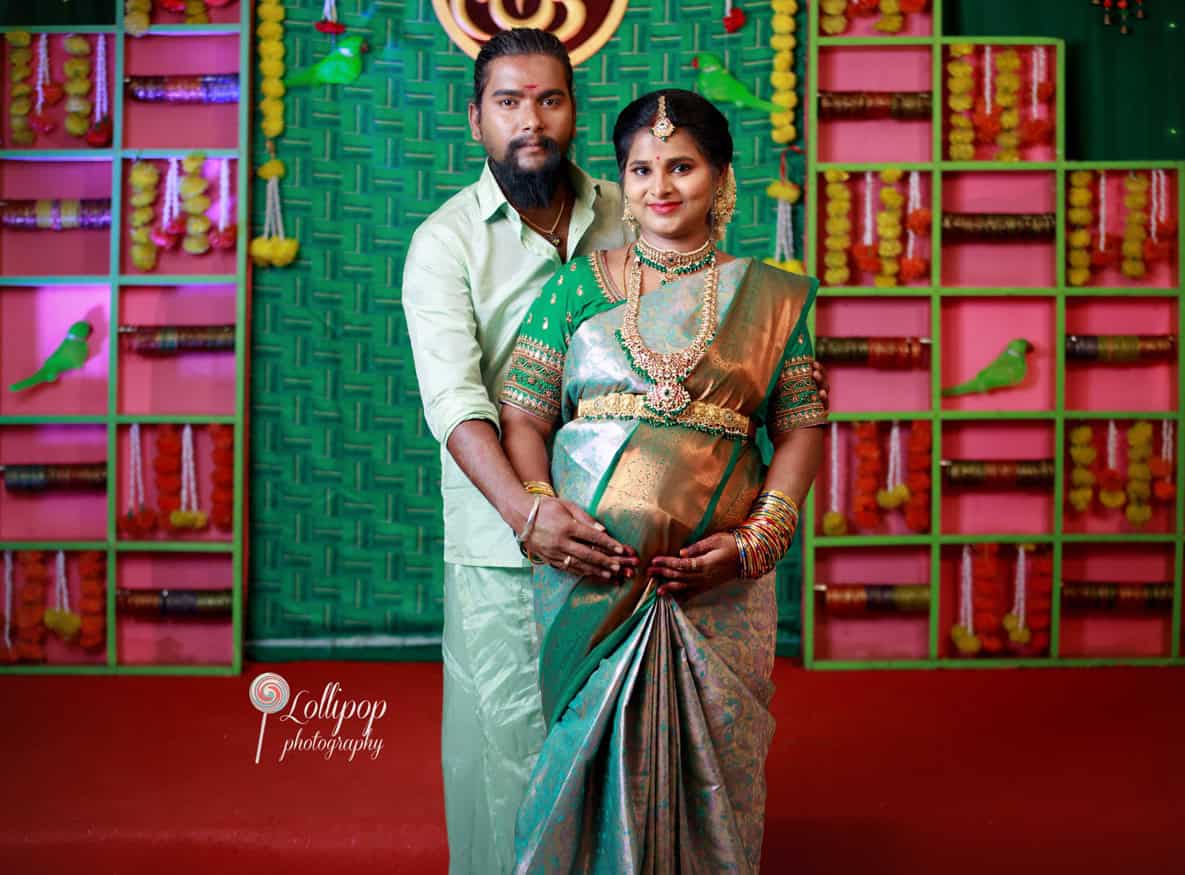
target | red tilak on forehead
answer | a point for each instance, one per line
(530, 87)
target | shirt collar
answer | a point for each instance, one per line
(491, 201)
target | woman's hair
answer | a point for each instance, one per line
(688, 112)
(518, 41)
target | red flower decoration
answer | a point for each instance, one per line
(919, 221)
(1036, 130)
(165, 240)
(913, 5)
(735, 20)
(177, 6)
(1156, 250)
(1111, 480)
(1045, 91)
(224, 238)
(1109, 256)
(176, 226)
(52, 93)
(914, 268)
(41, 123)
(333, 27)
(99, 136)
(866, 7)
(866, 258)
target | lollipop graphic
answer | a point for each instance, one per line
(269, 694)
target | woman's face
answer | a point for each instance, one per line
(670, 187)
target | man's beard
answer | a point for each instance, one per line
(528, 189)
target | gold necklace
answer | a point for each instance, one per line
(548, 234)
(667, 397)
(672, 263)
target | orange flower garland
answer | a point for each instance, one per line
(139, 519)
(989, 598)
(1162, 228)
(30, 617)
(917, 508)
(869, 470)
(92, 567)
(223, 478)
(838, 227)
(7, 614)
(917, 222)
(167, 467)
(1029, 620)
(1161, 466)
(986, 118)
(1038, 127)
(1080, 218)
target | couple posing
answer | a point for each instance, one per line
(596, 369)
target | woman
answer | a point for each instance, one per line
(647, 370)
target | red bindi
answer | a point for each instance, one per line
(530, 87)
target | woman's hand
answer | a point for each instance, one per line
(567, 538)
(819, 375)
(706, 563)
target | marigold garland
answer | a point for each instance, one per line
(1139, 474)
(1135, 202)
(78, 85)
(1038, 127)
(918, 479)
(92, 607)
(896, 492)
(1027, 624)
(989, 599)
(30, 613)
(960, 86)
(167, 469)
(1111, 491)
(889, 247)
(136, 15)
(917, 221)
(1082, 478)
(194, 203)
(838, 227)
(1161, 466)
(962, 633)
(891, 20)
(20, 94)
(988, 109)
(1162, 228)
(143, 180)
(834, 20)
(783, 77)
(1080, 219)
(866, 513)
(1008, 97)
(222, 478)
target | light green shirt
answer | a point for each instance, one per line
(472, 270)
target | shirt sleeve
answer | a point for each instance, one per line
(442, 328)
(535, 378)
(795, 402)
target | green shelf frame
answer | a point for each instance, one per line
(113, 546)
(1057, 417)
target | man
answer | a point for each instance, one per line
(472, 269)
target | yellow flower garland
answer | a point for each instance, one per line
(1082, 479)
(960, 85)
(1139, 474)
(892, 19)
(888, 230)
(838, 227)
(783, 77)
(272, 248)
(1080, 217)
(1008, 97)
(135, 16)
(143, 178)
(20, 104)
(834, 20)
(1135, 229)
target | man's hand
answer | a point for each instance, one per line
(569, 539)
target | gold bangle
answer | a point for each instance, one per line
(539, 487)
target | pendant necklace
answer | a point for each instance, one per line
(668, 397)
(548, 234)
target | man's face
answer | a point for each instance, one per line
(526, 117)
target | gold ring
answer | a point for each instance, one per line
(693, 564)
(567, 561)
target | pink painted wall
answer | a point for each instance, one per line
(976, 511)
(53, 516)
(977, 330)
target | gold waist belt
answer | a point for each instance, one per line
(699, 415)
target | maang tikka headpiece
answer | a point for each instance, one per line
(663, 127)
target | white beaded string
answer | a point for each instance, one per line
(42, 70)
(188, 472)
(987, 79)
(329, 10)
(727, 8)
(1019, 602)
(101, 107)
(274, 191)
(893, 480)
(1164, 195)
(172, 205)
(1166, 440)
(63, 592)
(784, 235)
(135, 470)
(1112, 445)
(1102, 211)
(8, 599)
(965, 616)
(869, 178)
(915, 202)
(223, 194)
(833, 484)
(1152, 213)
(1034, 76)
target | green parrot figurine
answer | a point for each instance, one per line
(718, 85)
(1008, 369)
(69, 356)
(340, 67)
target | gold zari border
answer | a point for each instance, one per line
(698, 414)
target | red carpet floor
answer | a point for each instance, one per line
(945, 772)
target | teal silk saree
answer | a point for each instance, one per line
(657, 708)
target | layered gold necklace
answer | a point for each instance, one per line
(668, 397)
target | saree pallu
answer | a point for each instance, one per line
(657, 708)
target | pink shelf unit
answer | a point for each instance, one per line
(181, 126)
(975, 331)
(57, 651)
(1098, 519)
(992, 602)
(979, 263)
(871, 635)
(1143, 386)
(1113, 631)
(858, 388)
(1161, 249)
(861, 184)
(203, 448)
(40, 252)
(33, 322)
(59, 137)
(892, 522)
(186, 383)
(975, 510)
(54, 515)
(875, 69)
(176, 261)
(144, 640)
(1035, 120)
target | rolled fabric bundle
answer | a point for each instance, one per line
(886, 353)
(999, 226)
(56, 214)
(162, 340)
(1021, 474)
(211, 88)
(859, 105)
(1121, 348)
(875, 598)
(56, 477)
(202, 603)
(1085, 596)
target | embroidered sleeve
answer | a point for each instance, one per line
(533, 381)
(795, 402)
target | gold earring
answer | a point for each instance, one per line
(724, 205)
(629, 218)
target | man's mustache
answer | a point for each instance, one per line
(522, 142)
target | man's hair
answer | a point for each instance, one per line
(518, 41)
